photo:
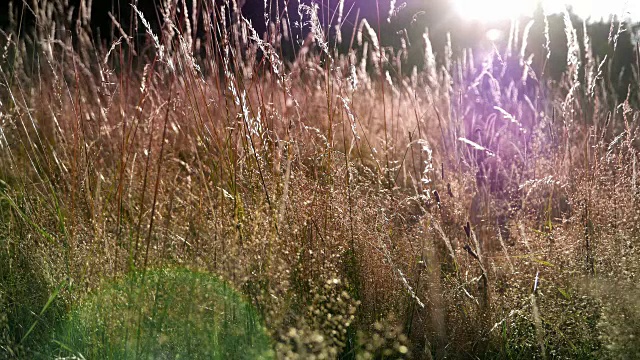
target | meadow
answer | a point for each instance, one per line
(367, 206)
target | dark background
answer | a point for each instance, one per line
(414, 15)
(411, 20)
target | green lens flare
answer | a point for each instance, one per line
(164, 314)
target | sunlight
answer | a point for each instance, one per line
(493, 10)
(496, 10)
(599, 10)
(494, 35)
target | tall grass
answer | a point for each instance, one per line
(469, 207)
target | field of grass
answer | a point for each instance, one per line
(365, 204)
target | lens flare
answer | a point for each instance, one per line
(494, 35)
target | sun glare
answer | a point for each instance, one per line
(496, 10)
(493, 10)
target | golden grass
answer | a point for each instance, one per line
(475, 212)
